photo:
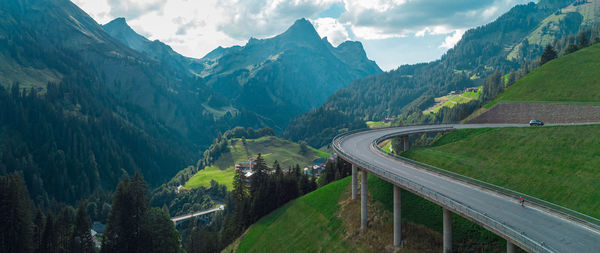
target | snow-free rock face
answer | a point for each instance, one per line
(277, 78)
(288, 74)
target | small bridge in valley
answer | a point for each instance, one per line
(197, 214)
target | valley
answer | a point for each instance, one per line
(286, 153)
(109, 128)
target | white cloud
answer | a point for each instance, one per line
(374, 33)
(397, 18)
(97, 9)
(335, 32)
(194, 28)
(134, 8)
(453, 39)
(264, 18)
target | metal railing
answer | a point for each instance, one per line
(563, 211)
(458, 207)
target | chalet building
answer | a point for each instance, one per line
(472, 89)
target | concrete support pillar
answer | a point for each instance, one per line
(364, 197)
(354, 181)
(397, 217)
(405, 141)
(447, 231)
(510, 247)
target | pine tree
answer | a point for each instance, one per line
(277, 168)
(239, 187)
(15, 215)
(81, 238)
(62, 226)
(123, 230)
(49, 237)
(548, 55)
(158, 233)
(38, 231)
(584, 41)
(259, 172)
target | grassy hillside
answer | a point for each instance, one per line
(327, 221)
(378, 124)
(308, 224)
(271, 148)
(452, 100)
(557, 164)
(568, 79)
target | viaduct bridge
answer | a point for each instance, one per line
(538, 227)
(196, 214)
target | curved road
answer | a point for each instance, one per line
(548, 231)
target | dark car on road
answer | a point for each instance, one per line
(536, 122)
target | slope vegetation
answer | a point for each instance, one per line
(326, 220)
(568, 79)
(410, 89)
(557, 164)
(273, 149)
(564, 90)
(308, 224)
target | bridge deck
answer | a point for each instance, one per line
(546, 229)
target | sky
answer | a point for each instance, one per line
(393, 32)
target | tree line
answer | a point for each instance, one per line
(132, 225)
(479, 54)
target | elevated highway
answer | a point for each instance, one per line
(537, 227)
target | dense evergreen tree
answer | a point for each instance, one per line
(38, 231)
(123, 230)
(584, 40)
(158, 233)
(50, 236)
(62, 225)
(15, 215)
(239, 186)
(81, 238)
(548, 55)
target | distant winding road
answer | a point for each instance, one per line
(531, 227)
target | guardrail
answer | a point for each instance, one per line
(519, 237)
(566, 212)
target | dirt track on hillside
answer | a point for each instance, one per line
(548, 113)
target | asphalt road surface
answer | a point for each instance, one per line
(554, 232)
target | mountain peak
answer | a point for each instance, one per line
(302, 29)
(119, 25)
(120, 20)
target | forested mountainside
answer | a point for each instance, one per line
(46, 41)
(88, 107)
(67, 143)
(64, 76)
(277, 78)
(411, 88)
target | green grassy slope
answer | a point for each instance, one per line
(318, 222)
(307, 224)
(271, 148)
(453, 100)
(558, 164)
(378, 124)
(570, 78)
